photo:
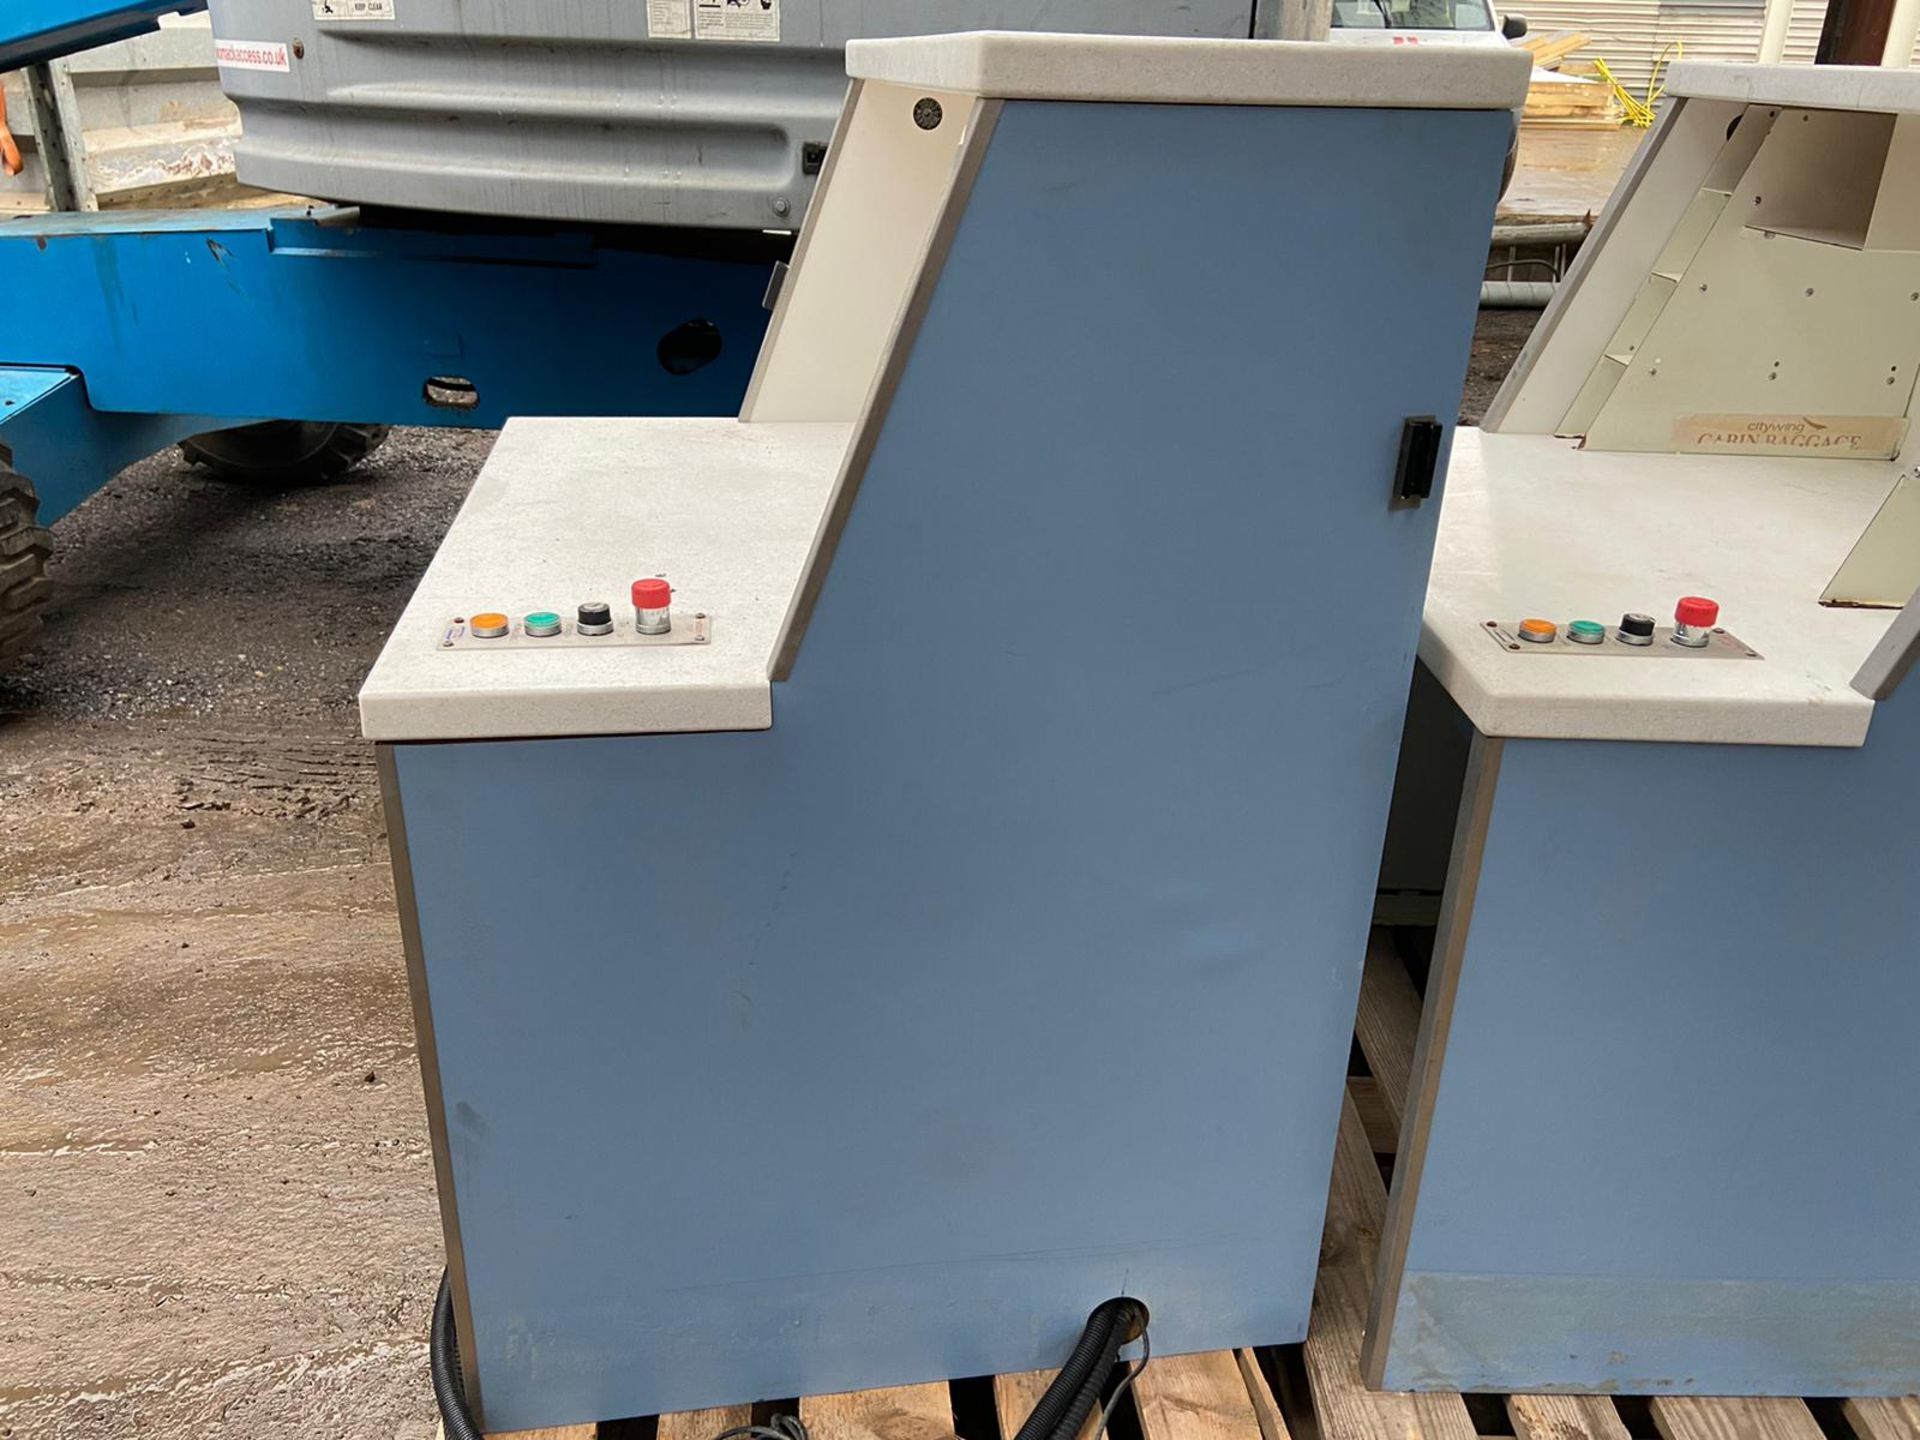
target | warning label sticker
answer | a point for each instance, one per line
(669, 20)
(353, 9)
(251, 55)
(736, 19)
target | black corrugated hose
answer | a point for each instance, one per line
(443, 1363)
(1076, 1389)
(1062, 1410)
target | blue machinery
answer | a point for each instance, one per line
(1664, 1134)
(33, 32)
(126, 332)
(795, 985)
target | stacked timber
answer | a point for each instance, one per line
(1560, 96)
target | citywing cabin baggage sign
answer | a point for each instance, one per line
(1867, 437)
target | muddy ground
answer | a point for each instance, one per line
(217, 1214)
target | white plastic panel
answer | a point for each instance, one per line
(1634, 230)
(572, 510)
(1782, 334)
(1199, 72)
(1896, 215)
(1884, 568)
(1833, 87)
(1817, 175)
(1536, 526)
(887, 176)
(1771, 331)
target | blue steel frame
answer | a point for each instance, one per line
(35, 31)
(125, 331)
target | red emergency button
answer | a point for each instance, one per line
(1697, 613)
(1693, 621)
(650, 613)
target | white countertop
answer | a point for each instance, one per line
(1531, 525)
(1012, 65)
(1834, 87)
(726, 511)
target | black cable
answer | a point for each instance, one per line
(1126, 1384)
(1070, 1399)
(443, 1363)
(778, 1427)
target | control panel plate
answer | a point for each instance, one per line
(1721, 645)
(695, 628)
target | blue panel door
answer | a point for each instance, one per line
(1014, 967)
(1675, 1140)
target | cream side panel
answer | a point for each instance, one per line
(1896, 213)
(1650, 202)
(885, 181)
(1745, 142)
(1894, 658)
(1776, 329)
(1685, 242)
(1884, 568)
(1771, 332)
(1817, 175)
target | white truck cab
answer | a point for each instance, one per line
(1430, 22)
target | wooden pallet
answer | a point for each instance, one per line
(1313, 1391)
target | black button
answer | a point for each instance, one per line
(597, 612)
(1634, 624)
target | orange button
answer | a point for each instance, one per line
(1538, 630)
(488, 625)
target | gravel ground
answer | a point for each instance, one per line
(162, 570)
(1496, 345)
(217, 1215)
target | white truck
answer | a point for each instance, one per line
(1471, 23)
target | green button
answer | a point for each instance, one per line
(543, 622)
(1587, 632)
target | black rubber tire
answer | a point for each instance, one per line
(285, 452)
(25, 548)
